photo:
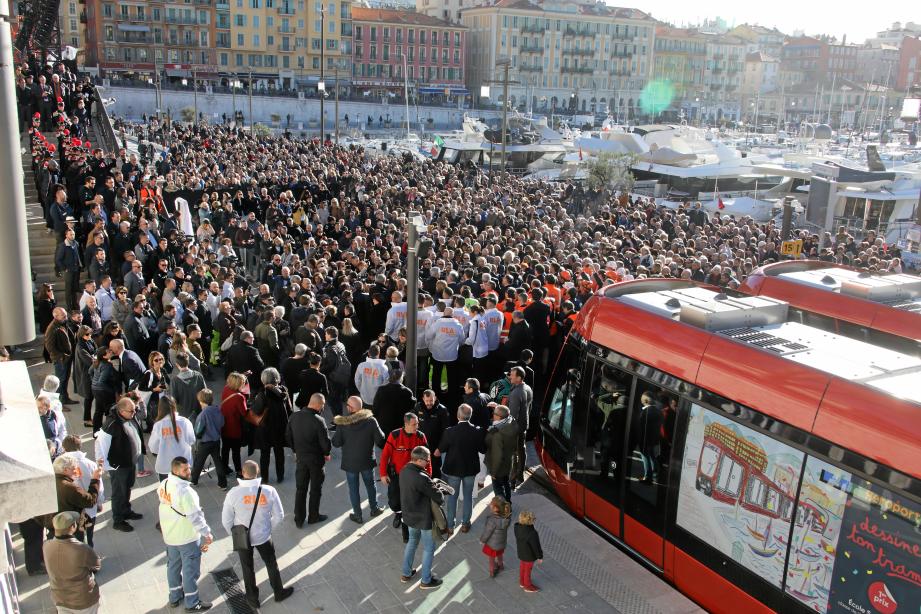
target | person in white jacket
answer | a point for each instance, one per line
(186, 535)
(172, 435)
(478, 339)
(371, 375)
(423, 356)
(445, 336)
(238, 510)
(396, 317)
(85, 469)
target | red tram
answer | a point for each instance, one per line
(788, 439)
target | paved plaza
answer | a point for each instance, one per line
(341, 567)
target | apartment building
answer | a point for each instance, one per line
(284, 42)
(680, 61)
(564, 54)
(141, 38)
(432, 51)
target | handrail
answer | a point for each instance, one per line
(105, 129)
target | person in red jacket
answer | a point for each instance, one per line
(233, 408)
(396, 454)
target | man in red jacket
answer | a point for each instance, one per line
(396, 454)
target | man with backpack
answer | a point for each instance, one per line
(337, 369)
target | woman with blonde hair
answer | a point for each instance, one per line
(172, 435)
(181, 346)
(233, 408)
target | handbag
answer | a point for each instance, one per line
(239, 533)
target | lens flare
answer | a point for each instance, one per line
(656, 97)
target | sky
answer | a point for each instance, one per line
(857, 19)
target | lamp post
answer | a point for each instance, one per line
(195, 97)
(233, 93)
(321, 86)
(504, 63)
(251, 124)
(415, 249)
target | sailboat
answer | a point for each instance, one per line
(765, 549)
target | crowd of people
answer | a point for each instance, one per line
(276, 267)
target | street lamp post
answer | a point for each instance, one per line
(251, 124)
(321, 86)
(415, 249)
(195, 97)
(233, 93)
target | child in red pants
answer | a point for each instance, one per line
(528, 543)
(495, 533)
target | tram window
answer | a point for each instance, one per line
(649, 447)
(854, 544)
(564, 386)
(607, 422)
(731, 508)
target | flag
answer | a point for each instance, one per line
(439, 142)
(719, 201)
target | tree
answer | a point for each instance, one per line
(188, 114)
(261, 130)
(610, 171)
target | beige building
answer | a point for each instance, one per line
(72, 20)
(284, 41)
(564, 54)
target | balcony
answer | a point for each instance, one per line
(83, 17)
(529, 48)
(530, 69)
(717, 69)
(222, 6)
(285, 30)
(622, 54)
(186, 21)
(621, 36)
(578, 69)
(534, 28)
(579, 32)
(134, 40)
(586, 52)
(135, 18)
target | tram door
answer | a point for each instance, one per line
(602, 467)
(653, 411)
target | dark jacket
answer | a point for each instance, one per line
(273, 403)
(291, 372)
(243, 357)
(390, 403)
(57, 341)
(310, 381)
(432, 422)
(83, 359)
(308, 437)
(501, 441)
(132, 367)
(495, 532)
(120, 450)
(136, 333)
(357, 434)
(537, 315)
(528, 543)
(417, 491)
(482, 415)
(71, 571)
(519, 405)
(460, 450)
(519, 338)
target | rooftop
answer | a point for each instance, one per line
(360, 13)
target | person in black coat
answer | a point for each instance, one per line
(479, 403)
(527, 543)
(519, 337)
(357, 433)
(311, 381)
(417, 492)
(291, 369)
(243, 357)
(433, 420)
(308, 436)
(272, 405)
(459, 450)
(392, 401)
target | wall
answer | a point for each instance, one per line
(134, 102)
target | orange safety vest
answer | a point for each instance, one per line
(506, 325)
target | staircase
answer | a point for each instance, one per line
(42, 245)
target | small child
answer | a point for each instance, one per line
(528, 543)
(495, 533)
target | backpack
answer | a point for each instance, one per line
(343, 370)
(500, 390)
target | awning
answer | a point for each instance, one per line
(127, 27)
(455, 89)
(178, 72)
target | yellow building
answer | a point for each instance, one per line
(565, 54)
(283, 41)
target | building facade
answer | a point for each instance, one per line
(564, 55)
(143, 38)
(723, 77)
(432, 50)
(909, 70)
(680, 60)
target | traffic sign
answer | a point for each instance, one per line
(792, 248)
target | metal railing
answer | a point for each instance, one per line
(103, 123)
